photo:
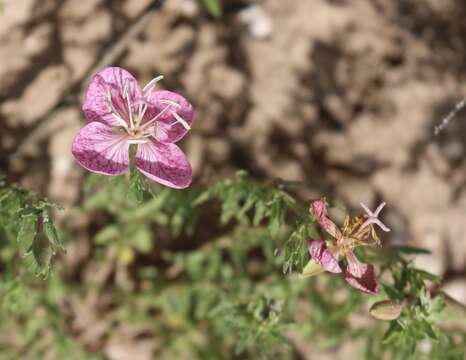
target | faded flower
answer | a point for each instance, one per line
(354, 232)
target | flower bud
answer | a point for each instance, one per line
(385, 310)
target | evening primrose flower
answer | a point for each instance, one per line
(354, 233)
(120, 114)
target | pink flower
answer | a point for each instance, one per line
(353, 233)
(120, 114)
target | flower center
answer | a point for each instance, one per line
(344, 245)
(131, 117)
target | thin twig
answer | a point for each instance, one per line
(443, 124)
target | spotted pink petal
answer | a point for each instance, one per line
(318, 210)
(114, 81)
(366, 283)
(321, 254)
(168, 128)
(98, 148)
(164, 163)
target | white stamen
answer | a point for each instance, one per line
(155, 118)
(120, 120)
(151, 84)
(147, 90)
(128, 102)
(141, 112)
(181, 121)
(170, 102)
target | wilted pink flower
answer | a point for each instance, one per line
(353, 233)
(120, 114)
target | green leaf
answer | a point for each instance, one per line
(51, 232)
(276, 219)
(392, 292)
(28, 210)
(107, 234)
(428, 330)
(393, 330)
(150, 208)
(27, 233)
(138, 187)
(410, 250)
(214, 7)
(260, 211)
(425, 275)
(42, 252)
(202, 198)
(141, 239)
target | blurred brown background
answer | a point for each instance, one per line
(340, 95)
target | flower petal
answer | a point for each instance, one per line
(318, 210)
(164, 163)
(355, 267)
(169, 129)
(99, 149)
(112, 83)
(367, 282)
(321, 254)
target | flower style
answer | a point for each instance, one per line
(354, 233)
(119, 115)
(373, 217)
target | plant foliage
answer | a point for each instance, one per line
(208, 273)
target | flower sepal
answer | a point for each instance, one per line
(312, 269)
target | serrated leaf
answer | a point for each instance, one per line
(259, 214)
(275, 220)
(28, 210)
(27, 233)
(42, 252)
(51, 232)
(138, 187)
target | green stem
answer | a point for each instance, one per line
(132, 158)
